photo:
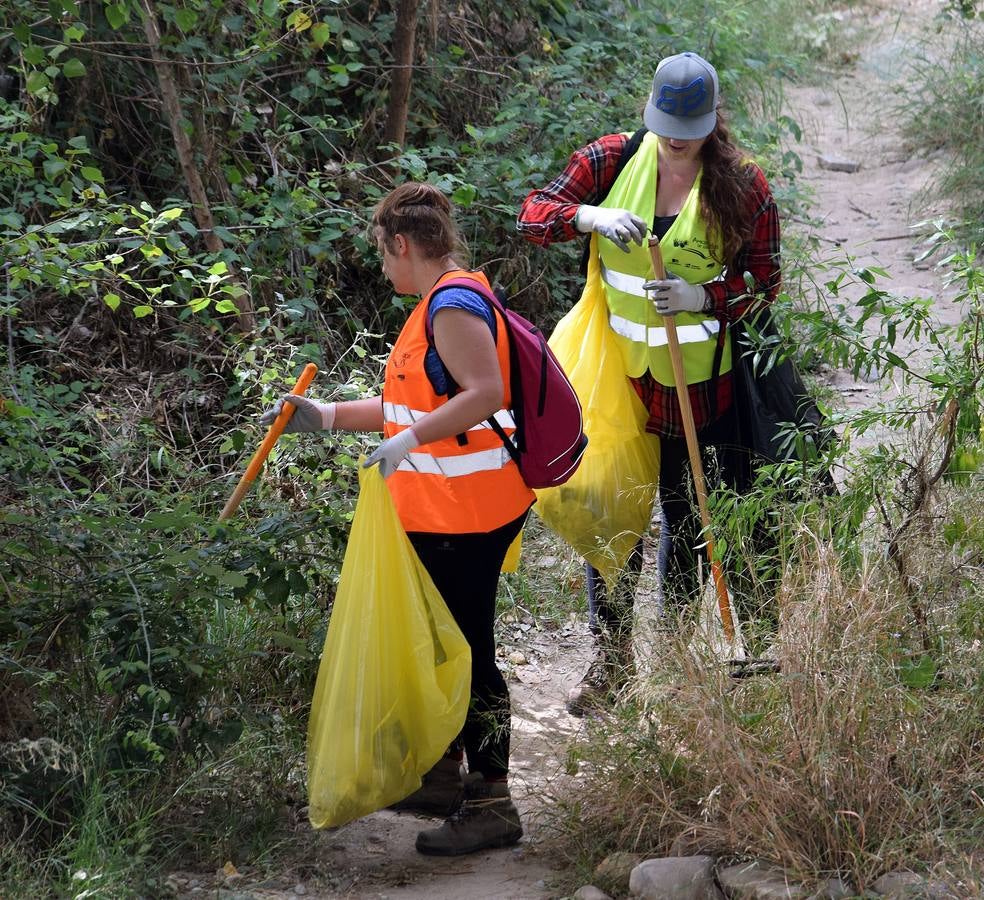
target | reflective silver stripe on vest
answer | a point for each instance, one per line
(627, 284)
(455, 466)
(655, 335)
(400, 414)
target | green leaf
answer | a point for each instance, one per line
(117, 15)
(91, 173)
(225, 306)
(299, 20)
(112, 301)
(464, 195)
(233, 579)
(219, 268)
(37, 82)
(186, 19)
(320, 34)
(73, 68)
(34, 55)
(919, 673)
(173, 213)
(53, 167)
(140, 311)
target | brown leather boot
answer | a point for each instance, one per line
(440, 793)
(487, 818)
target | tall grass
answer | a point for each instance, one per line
(943, 108)
(853, 761)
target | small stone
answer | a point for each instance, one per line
(833, 889)
(613, 872)
(590, 892)
(517, 658)
(547, 562)
(910, 886)
(675, 878)
(833, 163)
(234, 879)
(300, 890)
(759, 881)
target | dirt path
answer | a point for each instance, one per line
(867, 214)
(375, 856)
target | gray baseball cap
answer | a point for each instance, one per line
(684, 98)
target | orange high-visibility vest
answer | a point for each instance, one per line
(446, 486)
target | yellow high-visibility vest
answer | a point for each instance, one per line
(687, 252)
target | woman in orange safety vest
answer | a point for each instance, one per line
(458, 492)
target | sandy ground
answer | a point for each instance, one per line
(876, 216)
(868, 215)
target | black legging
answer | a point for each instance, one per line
(465, 569)
(679, 534)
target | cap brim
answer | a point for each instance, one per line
(680, 128)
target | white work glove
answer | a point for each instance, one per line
(618, 225)
(673, 295)
(391, 452)
(309, 415)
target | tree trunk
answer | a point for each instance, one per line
(403, 41)
(196, 189)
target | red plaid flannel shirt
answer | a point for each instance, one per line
(547, 216)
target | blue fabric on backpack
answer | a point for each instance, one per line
(453, 298)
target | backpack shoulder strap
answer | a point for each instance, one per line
(629, 149)
(471, 285)
(493, 299)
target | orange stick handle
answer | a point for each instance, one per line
(693, 449)
(273, 432)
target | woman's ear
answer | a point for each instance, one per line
(401, 245)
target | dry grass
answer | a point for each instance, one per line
(833, 766)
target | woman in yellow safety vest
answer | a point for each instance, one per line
(458, 492)
(683, 179)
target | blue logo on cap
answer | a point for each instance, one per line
(682, 101)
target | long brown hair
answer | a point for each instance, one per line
(723, 185)
(419, 211)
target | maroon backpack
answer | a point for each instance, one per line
(549, 439)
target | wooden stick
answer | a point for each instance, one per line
(693, 449)
(273, 432)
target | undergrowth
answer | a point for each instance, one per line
(942, 109)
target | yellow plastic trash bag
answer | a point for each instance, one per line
(607, 504)
(513, 555)
(395, 675)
